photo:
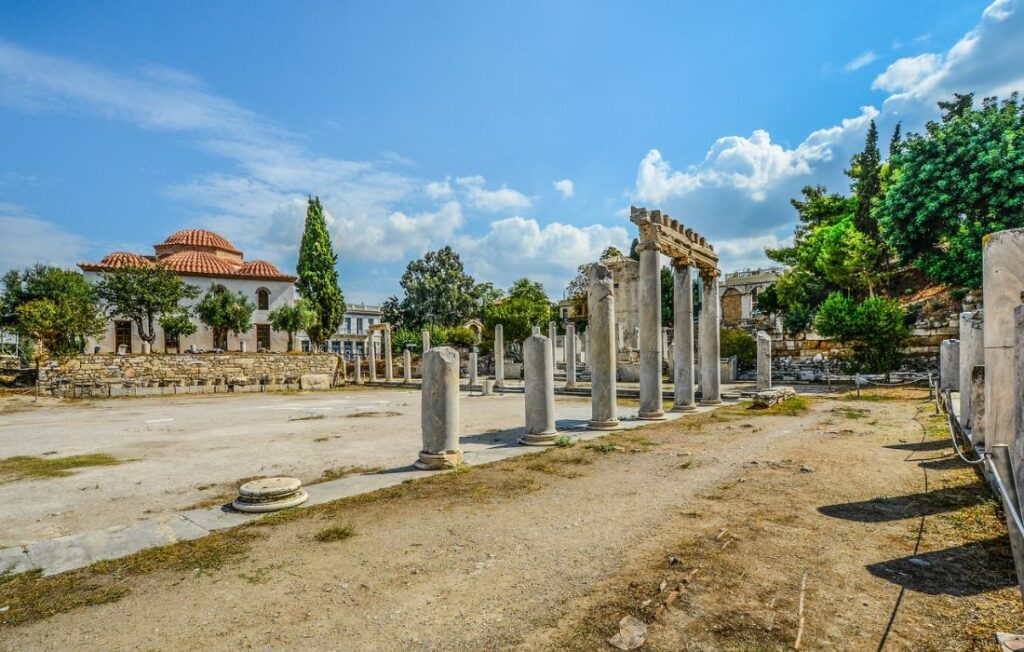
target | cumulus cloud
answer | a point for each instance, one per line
(494, 201)
(566, 187)
(28, 239)
(907, 72)
(861, 60)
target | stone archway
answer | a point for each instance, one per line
(732, 307)
(476, 327)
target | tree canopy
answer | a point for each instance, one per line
(291, 318)
(318, 277)
(525, 306)
(224, 311)
(144, 295)
(438, 291)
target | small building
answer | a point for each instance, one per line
(203, 259)
(352, 335)
(738, 294)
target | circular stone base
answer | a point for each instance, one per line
(604, 425)
(716, 401)
(689, 407)
(544, 439)
(270, 495)
(438, 461)
(651, 416)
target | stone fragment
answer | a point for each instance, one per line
(770, 397)
(764, 361)
(315, 381)
(949, 366)
(972, 354)
(632, 634)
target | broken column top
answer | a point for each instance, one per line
(675, 240)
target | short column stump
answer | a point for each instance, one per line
(270, 495)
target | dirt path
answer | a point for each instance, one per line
(550, 551)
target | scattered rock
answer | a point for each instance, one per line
(806, 469)
(673, 560)
(632, 634)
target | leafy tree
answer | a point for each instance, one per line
(437, 291)
(525, 306)
(318, 277)
(959, 181)
(55, 309)
(633, 253)
(875, 330)
(403, 337)
(291, 319)
(224, 311)
(177, 325)
(143, 295)
(576, 291)
(739, 343)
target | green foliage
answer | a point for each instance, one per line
(874, 330)
(576, 291)
(739, 343)
(223, 311)
(143, 295)
(959, 181)
(318, 277)
(400, 337)
(525, 306)
(438, 291)
(291, 319)
(54, 308)
(667, 291)
(867, 184)
(177, 324)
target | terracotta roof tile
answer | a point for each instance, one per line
(199, 262)
(199, 238)
(260, 268)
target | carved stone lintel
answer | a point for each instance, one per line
(681, 262)
(648, 246)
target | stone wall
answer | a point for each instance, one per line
(102, 373)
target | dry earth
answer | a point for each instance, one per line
(901, 546)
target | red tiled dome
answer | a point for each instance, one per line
(259, 268)
(198, 262)
(199, 238)
(124, 259)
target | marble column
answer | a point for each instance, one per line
(473, 367)
(949, 366)
(406, 366)
(440, 410)
(664, 344)
(389, 372)
(585, 348)
(1003, 280)
(535, 331)
(499, 354)
(570, 355)
(601, 350)
(359, 369)
(426, 340)
(707, 332)
(649, 312)
(972, 354)
(539, 383)
(682, 325)
(371, 359)
(764, 361)
(620, 342)
(978, 405)
(553, 336)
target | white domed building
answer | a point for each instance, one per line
(203, 258)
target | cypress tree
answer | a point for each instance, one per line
(318, 277)
(867, 184)
(896, 142)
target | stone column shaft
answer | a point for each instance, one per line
(440, 410)
(389, 372)
(570, 355)
(426, 340)
(472, 368)
(539, 382)
(499, 354)
(764, 361)
(682, 326)
(707, 332)
(371, 359)
(359, 369)
(949, 365)
(406, 366)
(650, 332)
(1003, 280)
(553, 336)
(972, 353)
(601, 350)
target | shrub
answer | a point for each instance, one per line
(739, 343)
(875, 331)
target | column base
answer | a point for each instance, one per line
(604, 425)
(711, 401)
(652, 416)
(544, 439)
(685, 407)
(438, 461)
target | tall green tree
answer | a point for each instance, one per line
(223, 311)
(291, 318)
(56, 309)
(960, 180)
(318, 277)
(143, 295)
(867, 183)
(438, 291)
(525, 306)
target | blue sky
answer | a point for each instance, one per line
(519, 133)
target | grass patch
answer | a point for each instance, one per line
(339, 472)
(26, 466)
(607, 447)
(564, 441)
(851, 413)
(335, 533)
(555, 464)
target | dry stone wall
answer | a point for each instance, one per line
(112, 375)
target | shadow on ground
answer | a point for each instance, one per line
(960, 571)
(894, 508)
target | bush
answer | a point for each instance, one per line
(735, 342)
(875, 331)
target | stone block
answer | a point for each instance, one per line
(315, 382)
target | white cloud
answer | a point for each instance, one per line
(861, 60)
(440, 189)
(566, 187)
(494, 201)
(906, 72)
(28, 239)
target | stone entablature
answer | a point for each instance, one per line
(186, 370)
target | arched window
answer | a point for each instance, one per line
(263, 299)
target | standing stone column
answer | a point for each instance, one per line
(620, 342)
(440, 411)
(406, 366)
(1003, 280)
(949, 365)
(472, 367)
(650, 332)
(972, 354)
(682, 326)
(389, 372)
(553, 336)
(764, 361)
(535, 331)
(539, 382)
(707, 332)
(426, 341)
(601, 357)
(372, 359)
(570, 355)
(499, 354)
(664, 344)
(359, 369)
(978, 404)
(585, 346)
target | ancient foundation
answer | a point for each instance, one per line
(540, 392)
(440, 418)
(601, 354)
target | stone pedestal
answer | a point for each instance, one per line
(371, 360)
(440, 411)
(269, 495)
(949, 366)
(499, 354)
(359, 369)
(487, 387)
(650, 332)
(972, 354)
(601, 352)
(1003, 279)
(570, 355)
(426, 340)
(539, 384)
(389, 371)
(707, 332)
(406, 367)
(682, 350)
(764, 361)
(472, 368)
